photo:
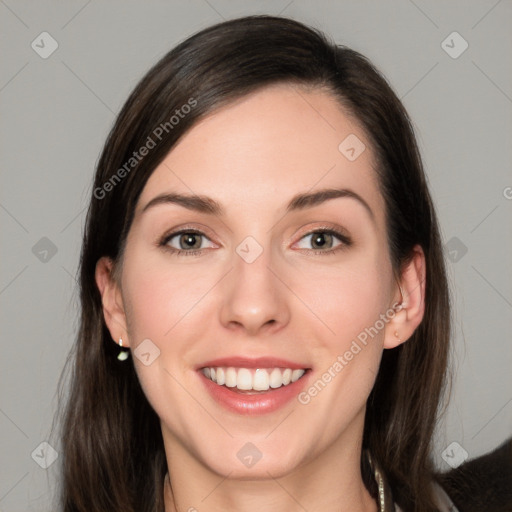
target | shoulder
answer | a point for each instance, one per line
(481, 483)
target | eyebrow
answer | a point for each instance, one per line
(205, 204)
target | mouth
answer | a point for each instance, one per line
(252, 381)
(253, 386)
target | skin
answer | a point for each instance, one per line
(253, 156)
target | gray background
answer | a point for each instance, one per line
(56, 113)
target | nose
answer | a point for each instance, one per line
(254, 298)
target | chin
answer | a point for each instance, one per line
(250, 463)
(260, 471)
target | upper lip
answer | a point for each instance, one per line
(248, 362)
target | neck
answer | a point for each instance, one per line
(331, 481)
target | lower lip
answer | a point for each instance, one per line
(260, 403)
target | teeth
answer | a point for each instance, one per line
(230, 378)
(246, 379)
(220, 376)
(260, 380)
(276, 378)
(297, 374)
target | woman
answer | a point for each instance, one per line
(265, 373)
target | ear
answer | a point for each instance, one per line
(112, 300)
(407, 317)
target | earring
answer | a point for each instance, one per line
(123, 355)
(396, 334)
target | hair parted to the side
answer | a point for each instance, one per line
(112, 454)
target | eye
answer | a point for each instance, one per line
(324, 239)
(188, 240)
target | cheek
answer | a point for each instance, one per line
(346, 298)
(352, 303)
(167, 303)
(161, 295)
(162, 306)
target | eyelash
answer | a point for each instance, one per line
(346, 242)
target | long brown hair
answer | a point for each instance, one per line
(112, 451)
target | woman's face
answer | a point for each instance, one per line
(258, 288)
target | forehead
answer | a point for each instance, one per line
(268, 146)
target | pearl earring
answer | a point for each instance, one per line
(123, 355)
(396, 334)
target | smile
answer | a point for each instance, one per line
(259, 379)
(253, 385)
